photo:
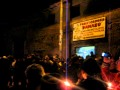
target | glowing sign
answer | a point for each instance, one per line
(90, 29)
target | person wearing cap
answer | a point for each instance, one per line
(90, 71)
(107, 75)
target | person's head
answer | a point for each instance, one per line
(91, 53)
(34, 73)
(90, 68)
(46, 57)
(107, 57)
(55, 58)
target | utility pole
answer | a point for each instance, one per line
(61, 29)
(68, 31)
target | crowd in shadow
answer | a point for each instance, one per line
(52, 73)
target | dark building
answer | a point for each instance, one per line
(96, 23)
(99, 20)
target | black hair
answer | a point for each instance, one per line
(91, 67)
(34, 72)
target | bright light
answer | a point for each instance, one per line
(67, 83)
(109, 85)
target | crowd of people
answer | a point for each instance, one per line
(34, 72)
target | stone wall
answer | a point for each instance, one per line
(111, 41)
(46, 40)
(43, 41)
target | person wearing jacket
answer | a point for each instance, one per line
(91, 71)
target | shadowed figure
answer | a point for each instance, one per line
(90, 72)
(34, 73)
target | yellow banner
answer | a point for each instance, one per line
(90, 29)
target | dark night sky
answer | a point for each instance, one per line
(18, 13)
(11, 12)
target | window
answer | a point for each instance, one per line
(75, 11)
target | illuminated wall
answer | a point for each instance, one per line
(40, 39)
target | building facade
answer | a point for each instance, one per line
(100, 30)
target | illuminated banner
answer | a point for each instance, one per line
(91, 29)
